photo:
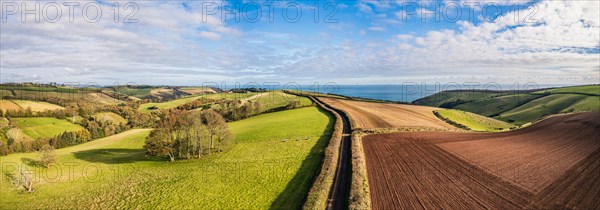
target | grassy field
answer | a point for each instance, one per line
(197, 90)
(8, 105)
(454, 98)
(520, 108)
(37, 106)
(181, 101)
(270, 166)
(43, 127)
(135, 92)
(474, 122)
(496, 105)
(278, 99)
(109, 116)
(589, 89)
(538, 108)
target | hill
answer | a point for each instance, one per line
(472, 121)
(271, 165)
(43, 127)
(109, 116)
(148, 107)
(518, 107)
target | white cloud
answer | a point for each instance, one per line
(376, 28)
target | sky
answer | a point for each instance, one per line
(304, 42)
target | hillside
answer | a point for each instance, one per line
(518, 107)
(160, 93)
(271, 165)
(44, 127)
(472, 121)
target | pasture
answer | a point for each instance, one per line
(44, 127)
(474, 122)
(178, 102)
(270, 166)
(37, 106)
(109, 116)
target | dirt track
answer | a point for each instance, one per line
(382, 115)
(553, 164)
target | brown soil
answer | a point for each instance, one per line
(552, 164)
(368, 115)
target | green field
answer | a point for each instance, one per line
(276, 99)
(182, 101)
(453, 98)
(109, 116)
(496, 105)
(269, 167)
(44, 127)
(541, 107)
(474, 122)
(519, 108)
(589, 89)
(135, 92)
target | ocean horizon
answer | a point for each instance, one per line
(410, 92)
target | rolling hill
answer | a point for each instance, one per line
(518, 107)
(272, 165)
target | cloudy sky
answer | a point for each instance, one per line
(347, 42)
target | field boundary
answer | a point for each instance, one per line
(359, 197)
(319, 192)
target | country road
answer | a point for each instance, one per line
(338, 198)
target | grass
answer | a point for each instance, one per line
(196, 90)
(519, 108)
(474, 122)
(591, 103)
(37, 106)
(135, 92)
(276, 99)
(496, 105)
(541, 107)
(182, 101)
(586, 89)
(8, 105)
(261, 170)
(451, 99)
(109, 116)
(44, 127)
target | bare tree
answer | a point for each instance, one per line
(22, 178)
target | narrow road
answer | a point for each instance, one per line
(338, 198)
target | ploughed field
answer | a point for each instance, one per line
(370, 115)
(552, 164)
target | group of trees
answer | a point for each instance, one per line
(186, 135)
(233, 110)
(65, 139)
(200, 103)
(93, 128)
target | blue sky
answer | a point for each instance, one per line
(352, 42)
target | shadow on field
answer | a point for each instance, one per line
(111, 156)
(31, 162)
(294, 195)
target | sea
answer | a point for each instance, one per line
(411, 91)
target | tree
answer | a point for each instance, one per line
(22, 178)
(216, 127)
(47, 155)
(160, 143)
